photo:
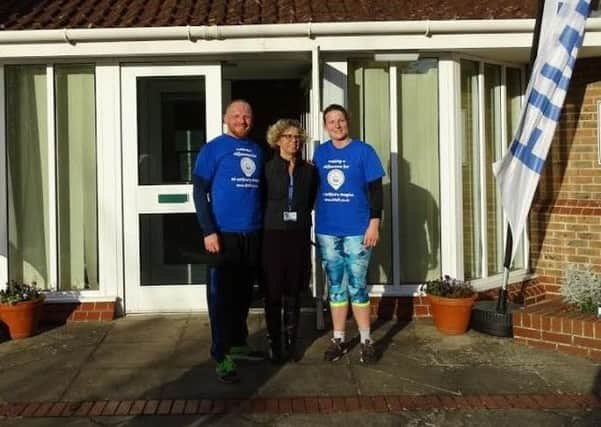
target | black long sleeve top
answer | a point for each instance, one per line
(277, 180)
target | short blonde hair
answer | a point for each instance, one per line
(276, 130)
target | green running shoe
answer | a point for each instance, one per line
(226, 371)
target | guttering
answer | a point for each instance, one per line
(322, 29)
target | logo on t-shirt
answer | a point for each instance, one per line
(248, 166)
(335, 178)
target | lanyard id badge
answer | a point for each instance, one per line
(290, 215)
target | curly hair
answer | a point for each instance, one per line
(276, 130)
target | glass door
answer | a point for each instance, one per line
(169, 113)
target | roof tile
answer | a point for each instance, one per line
(199, 12)
(49, 14)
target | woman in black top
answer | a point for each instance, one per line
(290, 188)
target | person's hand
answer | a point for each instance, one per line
(212, 243)
(372, 234)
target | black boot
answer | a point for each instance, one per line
(273, 318)
(275, 352)
(291, 315)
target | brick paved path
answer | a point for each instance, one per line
(299, 405)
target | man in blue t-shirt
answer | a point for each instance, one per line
(227, 195)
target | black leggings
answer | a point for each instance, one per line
(285, 264)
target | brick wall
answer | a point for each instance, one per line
(400, 308)
(565, 222)
(78, 312)
(553, 326)
(407, 308)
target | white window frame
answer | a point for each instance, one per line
(448, 229)
(3, 186)
(486, 281)
(108, 160)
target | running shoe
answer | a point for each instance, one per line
(369, 354)
(226, 371)
(335, 351)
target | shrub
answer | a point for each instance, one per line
(18, 292)
(581, 287)
(449, 287)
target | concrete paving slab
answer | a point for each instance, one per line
(191, 352)
(319, 379)
(18, 385)
(72, 334)
(65, 343)
(312, 348)
(166, 357)
(415, 381)
(196, 328)
(128, 355)
(166, 330)
(113, 384)
(200, 382)
(570, 378)
(47, 357)
(492, 418)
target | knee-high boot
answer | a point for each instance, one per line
(273, 318)
(291, 319)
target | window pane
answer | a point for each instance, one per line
(493, 144)
(171, 128)
(76, 177)
(169, 252)
(369, 94)
(470, 169)
(27, 151)
(418, 167)
(514, 106)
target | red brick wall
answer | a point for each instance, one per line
(400, 308)
(407, 308)
(565, 221)
(553, 326)
(78, 312)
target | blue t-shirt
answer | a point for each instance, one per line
(342, 205)
(234, 168)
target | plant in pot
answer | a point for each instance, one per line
(451, 302)
(21, 308)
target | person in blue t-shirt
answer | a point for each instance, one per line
(227, 180)
(347, 220)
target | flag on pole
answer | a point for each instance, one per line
(518, 172)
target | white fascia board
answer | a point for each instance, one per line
(163, 48)
(174, 48)
(419, 42)
(178, 41)
(172, 41)
(309, 30)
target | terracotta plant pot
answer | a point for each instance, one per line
(22, 318)
(451, 315)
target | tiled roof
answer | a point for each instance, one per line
(49, 14)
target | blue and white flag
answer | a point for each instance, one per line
(518, 172)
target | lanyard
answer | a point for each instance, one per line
(290, 191)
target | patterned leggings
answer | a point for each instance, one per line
(341, 255)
